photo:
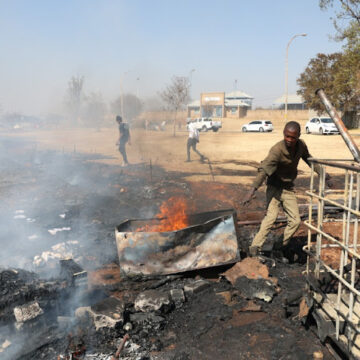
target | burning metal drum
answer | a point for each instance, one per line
(208, 240)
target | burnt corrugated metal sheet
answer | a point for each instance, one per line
(210, 240)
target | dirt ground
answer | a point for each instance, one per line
(105, 194)
(222, 181)
(232, 153)
(233, 156)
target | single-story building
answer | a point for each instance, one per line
(294, 102)
(241, 96)
(220, 104)
(236, 108)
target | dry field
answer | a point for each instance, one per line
(232, 153)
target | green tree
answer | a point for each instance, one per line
(320, 73)
(348, 14)
(338, 73)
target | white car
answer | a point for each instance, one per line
(258, 125)
(321, 125)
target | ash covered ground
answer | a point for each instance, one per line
(58, 205)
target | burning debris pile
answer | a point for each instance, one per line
(199, 241)
(173, 216)
(108, 295)
(140, 313)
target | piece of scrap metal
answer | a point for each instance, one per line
(73, 273)
(209, 240)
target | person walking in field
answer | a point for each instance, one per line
(124, 138)
(280, 170)
(193, 139)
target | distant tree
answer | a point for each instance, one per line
(74, 97)
(349, 14)
(338, 73)
(176, 95)
(132, 106)
(320, 73)
(95, 109)
(153, 103)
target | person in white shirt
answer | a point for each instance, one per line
(193, 139)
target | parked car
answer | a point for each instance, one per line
(258, 125)
(321, 125)
(205, 124)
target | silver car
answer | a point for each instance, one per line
(258, 125)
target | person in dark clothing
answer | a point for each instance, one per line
(124, 137)
(280, 170)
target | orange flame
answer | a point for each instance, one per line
(172, 216)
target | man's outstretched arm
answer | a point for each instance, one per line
(249, 196)
(266, 168)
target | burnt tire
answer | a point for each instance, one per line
(307, 130)
(261, 129)
(244, 129)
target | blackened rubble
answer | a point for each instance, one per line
(159, 329)
(202, 314)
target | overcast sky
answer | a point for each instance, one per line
(146, 42)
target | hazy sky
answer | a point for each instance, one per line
(145, 42)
